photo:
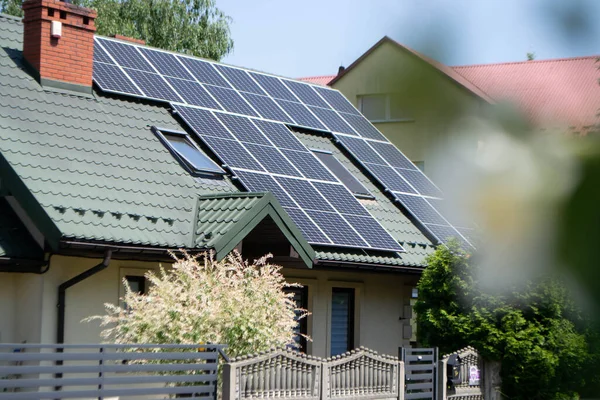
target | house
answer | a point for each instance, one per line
(414, 100)
(99, 184)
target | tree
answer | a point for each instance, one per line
(195, 27)
(228, 302)
(537, 333)
(530, 56)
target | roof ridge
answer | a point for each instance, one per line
(14, 18)
(230, 195)
(549, 60)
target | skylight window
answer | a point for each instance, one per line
(188, 153)
(342, 174)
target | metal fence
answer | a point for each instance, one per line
(359, 374)
(44, 371)
(420, 377)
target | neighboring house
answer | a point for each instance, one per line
(99, 187)
(414, 99)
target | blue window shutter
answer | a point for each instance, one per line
(342, 320)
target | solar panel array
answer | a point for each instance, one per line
(241, 114)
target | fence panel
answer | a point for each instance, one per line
(420, 373)
(460, 375)
(38, 371)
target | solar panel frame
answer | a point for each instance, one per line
(153, 85)
(256, 182)
(125, 55)
(361, 149)
(309, 229)
(273, 86)
(444, 232)
(204, 71)
(389, 178)
(272, 160)
(193, 93)
(199, 120)
(116, 79)
(280, 135)
(305, 93)
(332, 120)
(421, 209)
(301, 114)
(420, 182)
(239, 79)
(231, 100)
(338, 229)
(336, 100)
(304, 194)
(370, 230)
(392, 155)
(340, 198)
(232, 153)
(166, 63)
(363, 126)
(309, 165)
(267, 107)
(243, 129)
(100, 55)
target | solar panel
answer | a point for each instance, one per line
(304, 194)
(420, 182)
(332, 120)
(166, 63)
(389, 178)
(300, 114)
(231, 100)
(310, 167)
(232, 153)
(262, 182)
(239, 79)
(125, 55)
(193, 93)
(361, 150)
(280, 135)
(203, 122)
(273, 86)
(153, 85)
(204, 71)
(311, 232)
(392, 155)
(102, 56)
(371, 231)
(266, 107)
(363, 126)
(341, 199)
(338, 230)
(243, 129)
(336, 100)
(306, 93)
(445, 232)
(421, 209)
(112, 78)
(272, 160)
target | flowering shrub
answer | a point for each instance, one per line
(201, 300)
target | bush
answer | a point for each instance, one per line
(207, 301)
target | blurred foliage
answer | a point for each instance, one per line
(547, 348)
(195, 27)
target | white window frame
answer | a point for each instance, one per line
(359, 288)
(388, 114)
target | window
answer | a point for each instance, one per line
(384, 107)
(342, 174)
(188, 153)
(342, 320)
(136, 283)
(301, 300)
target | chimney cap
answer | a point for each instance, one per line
(341, 69)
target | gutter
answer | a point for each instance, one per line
(333, 264)
(62, 289)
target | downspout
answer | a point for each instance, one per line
(62, 288)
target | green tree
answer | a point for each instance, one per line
(195, 27)
(536, 332)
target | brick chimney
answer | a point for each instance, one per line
(58, 43)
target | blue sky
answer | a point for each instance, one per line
(312, 37)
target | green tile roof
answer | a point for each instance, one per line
(224, 220)
(15, 240)
(89, 168)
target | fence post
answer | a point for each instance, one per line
(229, 381)
(442, 379)
(401, 378)
(324, 381)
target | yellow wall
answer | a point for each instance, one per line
(432, 99)
(28, 303)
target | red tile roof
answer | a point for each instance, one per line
(322, 80)
(562, 90)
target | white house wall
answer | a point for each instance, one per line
(28, 303)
